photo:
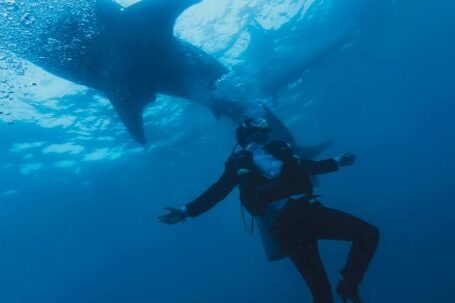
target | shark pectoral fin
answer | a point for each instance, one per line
(163, 13)
(130, 109)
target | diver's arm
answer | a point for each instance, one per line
(216, 193)
(329, 165)
(204, 202)
(321, 167)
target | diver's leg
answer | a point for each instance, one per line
(331, 224)
(308, 261)
(302, 247)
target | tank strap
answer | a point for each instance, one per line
(248, 229)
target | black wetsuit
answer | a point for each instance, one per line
(303, 222)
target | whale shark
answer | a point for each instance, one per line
(131, 55)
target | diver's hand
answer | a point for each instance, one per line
(346, 159)
(173, 216)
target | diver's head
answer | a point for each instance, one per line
(253, 130)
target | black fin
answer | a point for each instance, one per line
(311, 152)
(130, 108)
(281, 132)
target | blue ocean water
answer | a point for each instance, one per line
(79, 198)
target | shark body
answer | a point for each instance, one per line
(131, 55)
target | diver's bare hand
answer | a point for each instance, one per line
(173, 216)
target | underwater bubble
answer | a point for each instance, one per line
(12, 46)
(27, 19)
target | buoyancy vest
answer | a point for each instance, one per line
(257, 191)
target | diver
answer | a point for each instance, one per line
(276, 188)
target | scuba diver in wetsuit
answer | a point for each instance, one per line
(276, 187)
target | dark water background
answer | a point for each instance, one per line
(93, 237)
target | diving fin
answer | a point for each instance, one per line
(311, 152)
